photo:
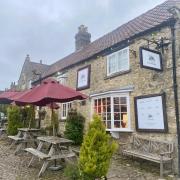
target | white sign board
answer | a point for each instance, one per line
(150, 59)
(83, 78)
(150, 113)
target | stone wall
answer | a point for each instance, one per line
(143, 80)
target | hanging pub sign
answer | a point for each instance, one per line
(150, 113)
(83, 78)
(150, 59)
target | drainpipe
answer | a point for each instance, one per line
(175, 88)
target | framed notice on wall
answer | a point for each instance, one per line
(150, 113)
(83, 78)
(150, 59)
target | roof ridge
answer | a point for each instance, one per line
(39, 63)
(146, 21)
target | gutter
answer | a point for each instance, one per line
(175, 88)
(175, 11)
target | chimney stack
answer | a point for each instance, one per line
(82, 38)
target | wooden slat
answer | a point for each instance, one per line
(61, 156)
(150, 157)
(37, 153)
(15, 138)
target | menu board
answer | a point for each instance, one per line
(150, 113)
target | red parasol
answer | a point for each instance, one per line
(48, 92)
(5, 97)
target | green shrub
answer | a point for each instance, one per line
(28, 116)
(14, 120)
(96, 151)
(31, 117)
(74, 127)
(72, 172)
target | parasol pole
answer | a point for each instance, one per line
(54, 133)
(29, 127)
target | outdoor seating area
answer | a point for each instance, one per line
(14, 167)
(30, 140)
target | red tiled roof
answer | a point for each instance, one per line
(140, 24)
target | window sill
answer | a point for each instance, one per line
(120, 130)
(116, 74)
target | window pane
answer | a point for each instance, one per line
(95, 102)
(123, 108)
(116, 124)
(104, 115)
(108, 100)
(116, 108)
(108, 124)
(123, 100)
(116, 100)
(99, 102)
(99, 109)
(104, 109)
(124, 118)
(108, 116)
(104, 101)
(112, 63)
(116, 116)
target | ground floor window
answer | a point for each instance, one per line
(65, 108)
(114, 110)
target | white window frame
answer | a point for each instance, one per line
(30, 84)
(68, 106)
(115, 54)
(62, 78)
(112, 95)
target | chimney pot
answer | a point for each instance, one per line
(27, 58)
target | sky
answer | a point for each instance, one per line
(45, 29)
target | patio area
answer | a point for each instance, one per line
(15, 168)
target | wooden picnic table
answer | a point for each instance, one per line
(55, 152)
(24, 136)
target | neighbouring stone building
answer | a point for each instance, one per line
(112, 72)
(30, 72)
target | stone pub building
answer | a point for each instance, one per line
(127, 74)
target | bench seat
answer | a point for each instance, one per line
(148, 156)
(16, 138)
(37, 153)
(150, 149)
(61, 156)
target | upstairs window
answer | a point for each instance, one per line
(118, 61)
(62, 78)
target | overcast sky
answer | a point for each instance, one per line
(45, 29)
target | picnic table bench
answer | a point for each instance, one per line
(152, 150)
(24, 136)
(3, 129)
(55, 152)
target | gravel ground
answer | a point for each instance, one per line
(15, 168)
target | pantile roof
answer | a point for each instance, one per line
(151, 19)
